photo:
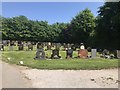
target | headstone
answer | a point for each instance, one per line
(69, 53)
(93, 53)
(49, 46)
(89, 49)
(40, 46)
(82, 53)
(4, 42)
(55, 54)
(11, 46)
(105, 54)
(65, 46)
(19, 42)
(82, 46)
(20, 47)
(117, 54)
(30, 46)
(40, 54)
(73, 47)
(8, 42)
(57, 46)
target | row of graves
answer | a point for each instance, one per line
(82, 52)
(22, 45)
(56, 47)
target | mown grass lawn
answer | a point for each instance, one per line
(27, 57)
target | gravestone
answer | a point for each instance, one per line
(82, 46)
(30, 46)
(19, 42)
(82, 53)
(40, 54)
(74, 47)
(65, 46)
(69, 53)
(55, 54)
(21, 47)
(93, 53)
(105, 53)
(4, 42)
(57, 46)
(11, 45)
(49, 46)
(40, 46)
(117, 54)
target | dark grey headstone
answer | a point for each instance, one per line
(93, 53)
(69, 53)
(40, 54)
(55, 54)
(21, 47)
(105, 54)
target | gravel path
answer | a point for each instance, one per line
(73, 79)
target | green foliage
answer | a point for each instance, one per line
(82, 27)
(108, 26)
(20, 28)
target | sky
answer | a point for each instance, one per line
(50, 11)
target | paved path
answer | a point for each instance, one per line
(12, 77)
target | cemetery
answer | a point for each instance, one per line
(86, 42)
(59, 56)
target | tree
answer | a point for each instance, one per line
(82, 27)
(108, 27)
